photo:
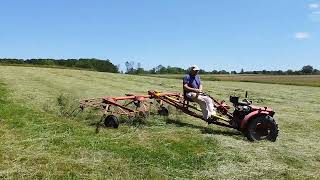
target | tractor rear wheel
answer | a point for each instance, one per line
(111, 121)
(262, 128)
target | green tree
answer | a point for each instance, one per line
(307, 69)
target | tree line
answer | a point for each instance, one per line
(83, 63)
(305, 70)
(132, 69)
(136, 68)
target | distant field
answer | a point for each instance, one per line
(300, 80)
(38, 143)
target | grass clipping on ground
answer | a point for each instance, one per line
(40, 140)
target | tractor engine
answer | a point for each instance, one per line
(241, 111)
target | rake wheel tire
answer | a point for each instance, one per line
(262, 128)
(163, 111)
(111, 121)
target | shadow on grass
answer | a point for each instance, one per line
(204, 130)
(138, 123)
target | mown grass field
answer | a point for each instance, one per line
(298, 80)
(37, 142)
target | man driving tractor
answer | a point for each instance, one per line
(192, 90)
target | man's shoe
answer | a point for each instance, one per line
(212, 120)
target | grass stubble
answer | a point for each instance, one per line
(38, 141)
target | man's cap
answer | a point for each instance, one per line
(195, 68)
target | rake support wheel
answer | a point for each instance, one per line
(111, 121)
(163, 111)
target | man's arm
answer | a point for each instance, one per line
(187, 88)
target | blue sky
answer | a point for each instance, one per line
(215, 34)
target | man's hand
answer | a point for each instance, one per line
(198, 91)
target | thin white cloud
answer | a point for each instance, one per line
(315, 16)
(301, 35)
(314, 5)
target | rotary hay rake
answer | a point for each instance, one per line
(257, 123)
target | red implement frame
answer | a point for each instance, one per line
(144, 104)
(119, 105)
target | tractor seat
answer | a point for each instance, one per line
(186, 101)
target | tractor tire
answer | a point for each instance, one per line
(163, 111)
(111, 121)
(262, 128)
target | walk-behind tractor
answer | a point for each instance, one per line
(257, 123)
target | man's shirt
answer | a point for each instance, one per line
(192, 81)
